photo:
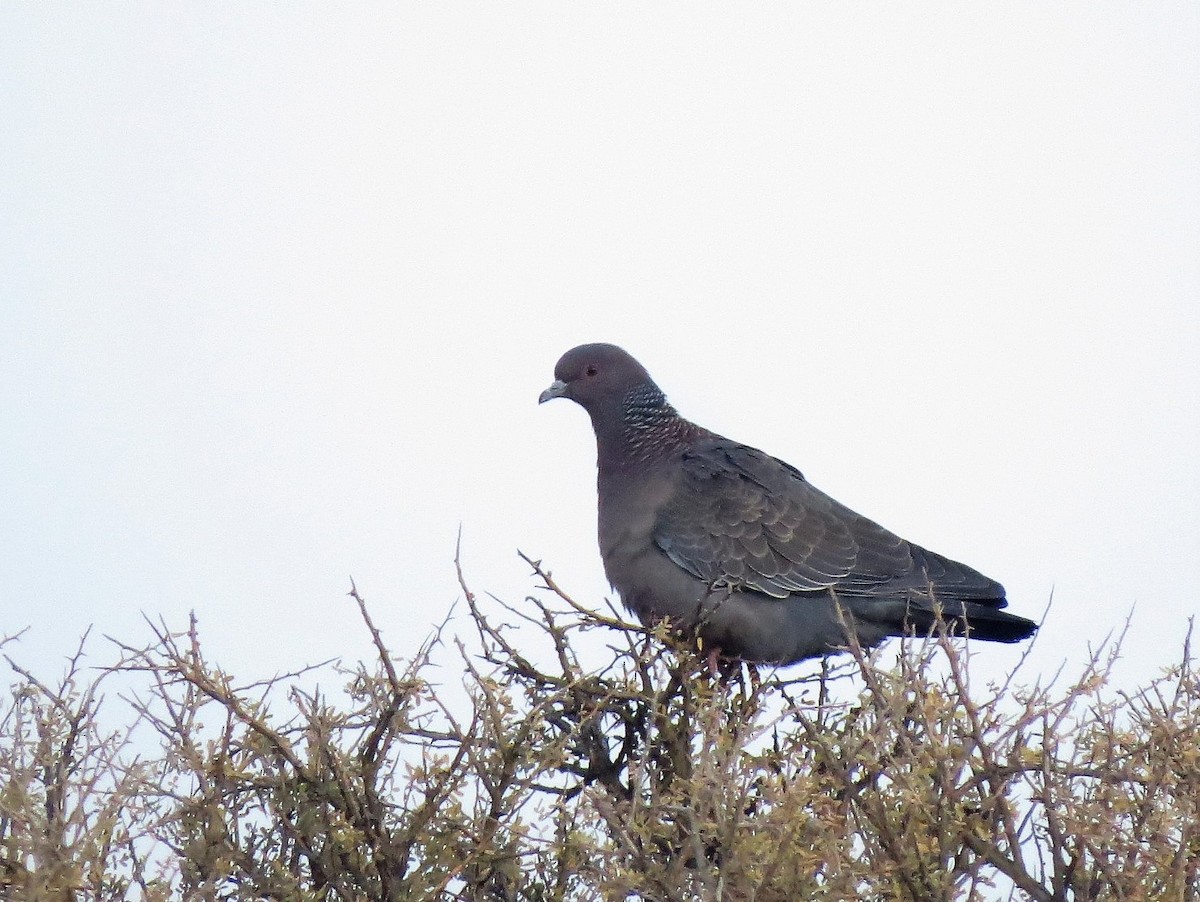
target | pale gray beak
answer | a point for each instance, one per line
(556, 390)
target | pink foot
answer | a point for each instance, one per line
(714, 655)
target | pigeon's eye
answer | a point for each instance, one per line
(591, 370)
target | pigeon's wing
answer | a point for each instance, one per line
(741, 518)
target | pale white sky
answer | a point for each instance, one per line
(280, 285)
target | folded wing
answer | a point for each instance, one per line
(744, 519)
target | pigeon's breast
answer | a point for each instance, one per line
(628, 508)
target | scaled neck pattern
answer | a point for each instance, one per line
(650, 427)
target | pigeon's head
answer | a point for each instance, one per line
(595, 375)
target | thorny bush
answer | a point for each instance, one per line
(572, 769)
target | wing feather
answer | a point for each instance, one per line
(741, 518)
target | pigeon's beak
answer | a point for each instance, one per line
(557, 389)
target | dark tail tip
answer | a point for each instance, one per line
(976, 621)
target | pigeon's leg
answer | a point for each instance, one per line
(713, 658)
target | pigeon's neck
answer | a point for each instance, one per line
(644, 430)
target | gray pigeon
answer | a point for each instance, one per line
(739, 548)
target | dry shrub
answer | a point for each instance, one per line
(573, 769)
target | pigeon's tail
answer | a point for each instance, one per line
(958, 618)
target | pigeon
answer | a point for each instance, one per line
(738, 549)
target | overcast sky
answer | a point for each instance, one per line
(280, 285)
